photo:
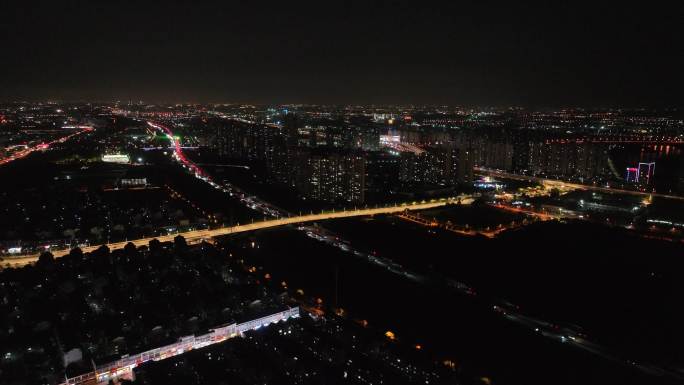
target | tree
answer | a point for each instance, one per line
(155, 245)
(130, 249)
(179, 242)
(70, 233)
(76, 254)
(101, 253)
(103, 249)
(97, 231)
(554, 193)
(46, 259)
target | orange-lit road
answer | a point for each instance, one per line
(541, 215)
(489, 231)
(559, 183)
(197, 236)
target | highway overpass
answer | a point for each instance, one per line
(197, 236)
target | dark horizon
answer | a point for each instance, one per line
(670, 111)
(387, 52)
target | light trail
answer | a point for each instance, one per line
(42, 146)
(178, 150)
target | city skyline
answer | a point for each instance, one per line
(140, 236)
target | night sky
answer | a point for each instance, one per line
(458, 53)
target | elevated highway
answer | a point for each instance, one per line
(197, 236)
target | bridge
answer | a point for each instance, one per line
(197, 236)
